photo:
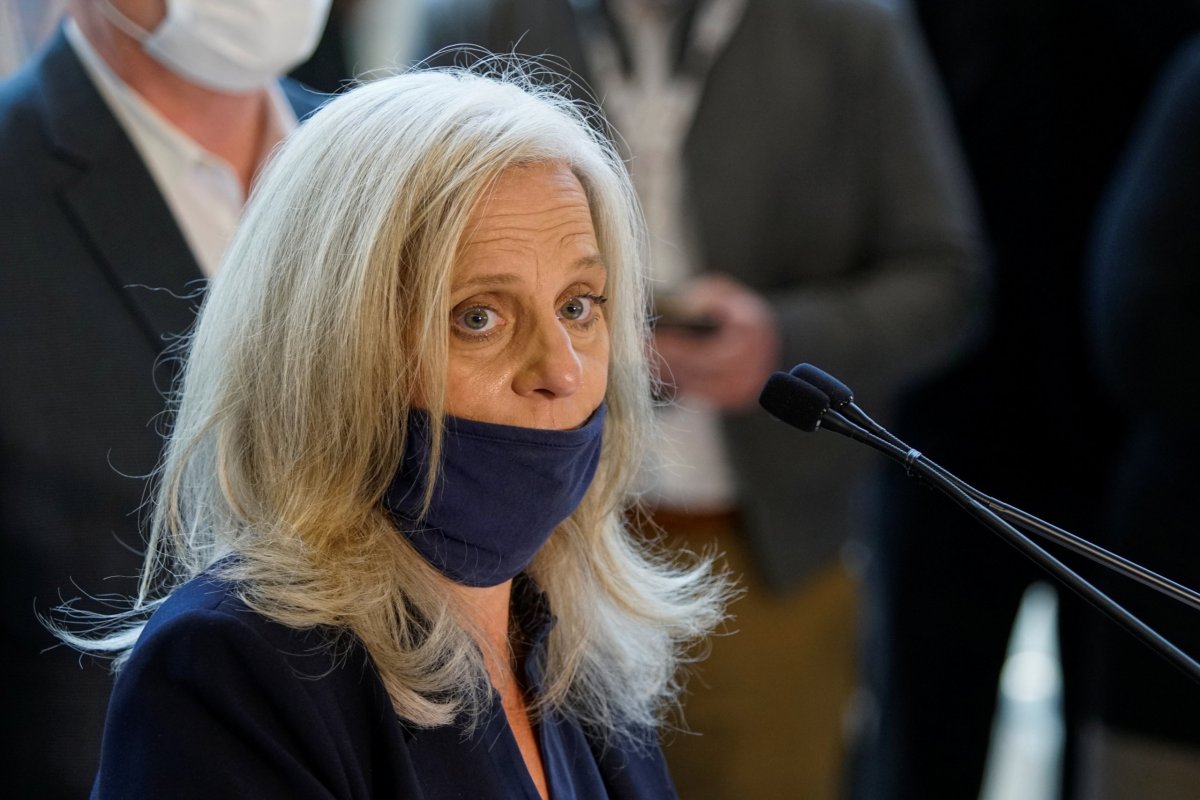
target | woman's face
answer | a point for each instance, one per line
(528, 337)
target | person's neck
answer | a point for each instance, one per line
(230, 126)
(488, 613)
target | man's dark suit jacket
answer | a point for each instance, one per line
(95, 282)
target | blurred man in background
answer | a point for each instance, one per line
(127, 145)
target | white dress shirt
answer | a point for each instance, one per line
(653, 107)
(202, 190)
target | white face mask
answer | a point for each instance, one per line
(230, 46)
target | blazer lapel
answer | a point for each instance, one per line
(114, 203)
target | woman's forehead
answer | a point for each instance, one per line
(532, 217)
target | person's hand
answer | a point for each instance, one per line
(725, 368)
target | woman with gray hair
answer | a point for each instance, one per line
(413, 408)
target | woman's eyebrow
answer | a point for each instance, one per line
(593, 261)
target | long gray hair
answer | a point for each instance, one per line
(328, 316)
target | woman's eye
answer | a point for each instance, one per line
(476, 320)
(581, 308)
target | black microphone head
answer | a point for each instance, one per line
(794, 401)
(839, 393)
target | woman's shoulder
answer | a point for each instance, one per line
(206, 593)
(209, 606)
(284, 709)
(208, 618)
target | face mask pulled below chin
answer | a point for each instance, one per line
(500, 493)
(230, 46)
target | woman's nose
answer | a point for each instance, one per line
(550, 367)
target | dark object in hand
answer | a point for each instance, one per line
(669, 316)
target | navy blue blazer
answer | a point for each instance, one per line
(218, 701)
(94, 283)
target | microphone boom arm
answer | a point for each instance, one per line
(980, 506)
(842, 401)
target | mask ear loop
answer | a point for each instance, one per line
(116, 17)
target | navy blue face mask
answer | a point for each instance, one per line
(501, 492)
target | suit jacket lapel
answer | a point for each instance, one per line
(114, 203)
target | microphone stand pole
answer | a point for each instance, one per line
(1176, 591)
(935, 476)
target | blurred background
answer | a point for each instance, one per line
(945, 666)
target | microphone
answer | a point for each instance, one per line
(797, 402)
(805, 404)
(802, 405)
(842, 399)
